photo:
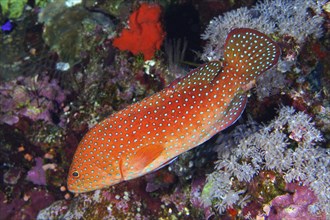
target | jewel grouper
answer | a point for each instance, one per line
(148, 134)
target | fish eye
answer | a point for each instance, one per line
(75, 174)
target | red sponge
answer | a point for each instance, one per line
(145, 33)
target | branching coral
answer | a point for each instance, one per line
(286, 146)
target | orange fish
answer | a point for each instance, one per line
(147, 135)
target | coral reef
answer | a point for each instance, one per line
(72, 44)
(60, 75)
(296, 205)
(286, 146)
(270, 84)
(37, 174)
(24, 206)
(293, 24)
(130, 200)
(279, 18)
(35, 98)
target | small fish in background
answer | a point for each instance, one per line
(147, 135)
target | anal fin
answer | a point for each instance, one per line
(233, 112)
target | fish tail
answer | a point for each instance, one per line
(248, 53)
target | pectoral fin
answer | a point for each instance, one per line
(140, 159)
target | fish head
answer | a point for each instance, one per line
(92, 166)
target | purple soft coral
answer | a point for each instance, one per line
(37, 174)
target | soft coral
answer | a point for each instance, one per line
(145, 34)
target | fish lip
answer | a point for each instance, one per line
(72, 189)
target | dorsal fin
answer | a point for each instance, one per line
(200, 76)
(248, 53)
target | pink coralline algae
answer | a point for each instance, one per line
(36, 98)
(26, 207)
(37, 174)
(295, 205)
(196, 197)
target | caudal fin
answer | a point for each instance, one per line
(248, 53)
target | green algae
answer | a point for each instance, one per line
(12, 8)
